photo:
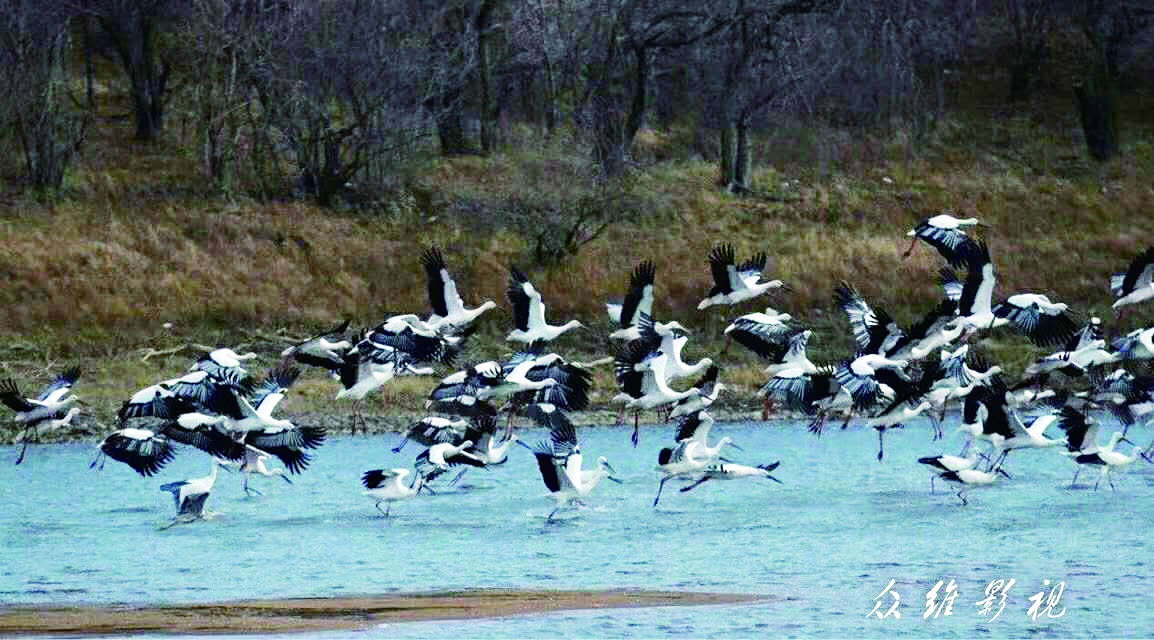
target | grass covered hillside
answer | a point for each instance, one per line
(141, 263)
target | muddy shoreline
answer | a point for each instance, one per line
(331, 614)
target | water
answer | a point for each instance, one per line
(824, 544)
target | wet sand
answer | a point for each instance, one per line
(331, 614)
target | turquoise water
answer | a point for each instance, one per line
(823, 545)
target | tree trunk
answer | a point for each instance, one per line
(450, 118)
(743, 159)
(485, 71)
(549, 74)
(728, 155)
(1097, 100)
(89, 71)
(133, 39)
(636, 117)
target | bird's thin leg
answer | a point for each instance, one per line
(694, 485)
(1075, 479)
(966, 446)
(913, 243)
(636, 437)
(23, 449)
(848, 417)
(728, 341)
(620, 417)
(660, 486)
(1110, 480)
(932, 478)
(962, 495)
(881, 443)
(397, 449)
(386, 513)
(766, 407)
(458, 477)
(551, 513)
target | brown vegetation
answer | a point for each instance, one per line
(329, 614)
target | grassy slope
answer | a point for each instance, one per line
(137, 244)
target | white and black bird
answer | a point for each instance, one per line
(190, 495)
(968, 478)
(437, 459)
(1136, 345)
(529, 312)
(223, 363)
(640, 371)
(935, 330)
(816, 394)
(692, 453)
(1084, 449)
(559, 460)
(449, 314)
(144, 450)
(388, 486)
(735, 283)
(874, 331)
(1136, 284)
(325, 350)
(767, 333)
(947, 462)
(431, 430)
(255, 462)
(987, 415)
(672, 344)
(1033, 315)
(975, 305)
(947, 234)
(730, 471)
(873, 380)
(708, 389)
(638, 300)
(50, 408)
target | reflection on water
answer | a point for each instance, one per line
(826, 543)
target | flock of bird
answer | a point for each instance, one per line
(897, 373)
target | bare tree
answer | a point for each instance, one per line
(134, 27)
(1111, 28)
(623, 37)
(35, 45)
(1031, 23)
(345, 86)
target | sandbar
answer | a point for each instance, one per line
(331, 614)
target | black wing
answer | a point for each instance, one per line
(721, 259)
(643, 276)
(434, 264)
(518, 299)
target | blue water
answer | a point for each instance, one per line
(824, 544)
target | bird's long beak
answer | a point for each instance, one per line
(735, 446)
(286, 478)
(1001, 472)
(1129, 442)
(775, 479)
(617, 480)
